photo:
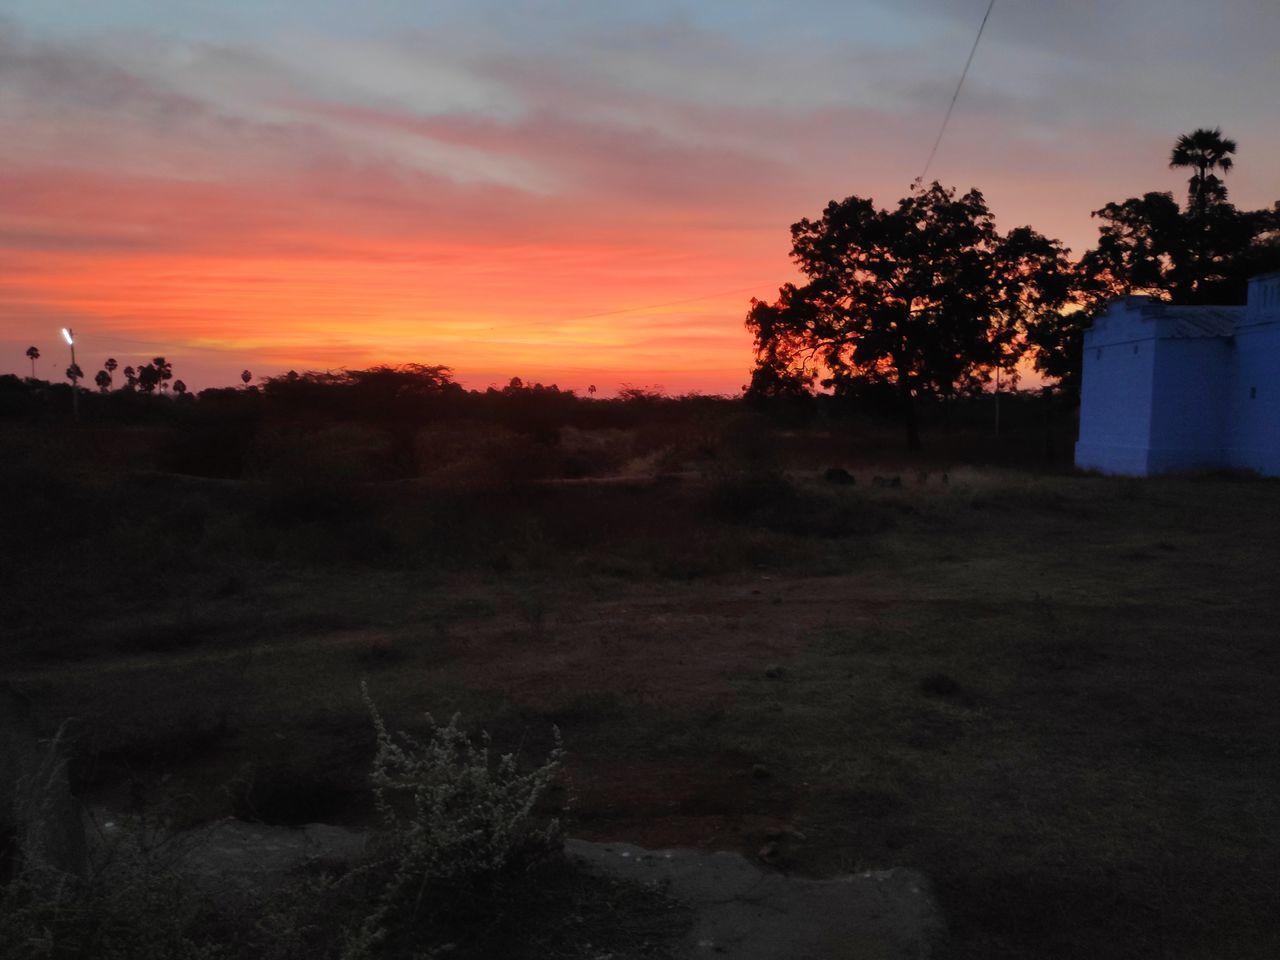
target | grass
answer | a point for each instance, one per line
(1054, 695)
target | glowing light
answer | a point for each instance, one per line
(66, 335)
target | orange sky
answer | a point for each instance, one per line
(590, 199)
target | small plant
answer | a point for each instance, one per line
(121, 899)
(452, 821)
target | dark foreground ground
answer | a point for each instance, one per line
(1054, 695)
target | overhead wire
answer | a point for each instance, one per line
(956, 95)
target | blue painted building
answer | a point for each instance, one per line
(1169, 388)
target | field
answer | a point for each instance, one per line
(1056, 695)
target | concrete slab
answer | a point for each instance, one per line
(745, 912)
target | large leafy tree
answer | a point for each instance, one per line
(927, 297)
(1036, 282)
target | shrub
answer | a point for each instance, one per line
(452, 822)
(124, 899)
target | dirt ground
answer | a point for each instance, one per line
(1054, 696)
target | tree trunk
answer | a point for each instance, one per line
(909, 414)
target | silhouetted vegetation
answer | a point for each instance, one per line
(928, 300)
(926, 297)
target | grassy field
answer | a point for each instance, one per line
(1056, 695)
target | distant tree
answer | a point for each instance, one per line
(179, 387)
(245, 377)
(75, 374)
(926, 296)
(647, 394)
(591, 389)
(164, 371)
(130, 378)
(110, 365)
(148, 378)
(103, 380)
(33, 354)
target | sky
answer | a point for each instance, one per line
(570, 192)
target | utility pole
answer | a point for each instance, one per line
(997, 400)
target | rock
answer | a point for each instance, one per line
(749, 913)
(839, 476)
(233, 856)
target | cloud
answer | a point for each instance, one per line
(436, 179)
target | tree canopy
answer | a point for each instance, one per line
(927, 296)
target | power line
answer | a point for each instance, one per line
(956, 96)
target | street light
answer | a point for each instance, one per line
(75, 393)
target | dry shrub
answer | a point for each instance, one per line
(595, 453)
(470, 458)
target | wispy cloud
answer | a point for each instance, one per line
(556, 185)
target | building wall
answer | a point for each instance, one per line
(1154, 400)
(1116, 393)
(1190, 388)
(1253, 408)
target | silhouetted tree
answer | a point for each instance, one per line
(110, 365)
(164, 372)
(179, 387)
(148, 378)
(33, 354)
(75, 374)
(1142, 248)
(1204, 254)
(926, 296)
(1203, 151)
(591, 389)
(103, 380)
(1036, 281)
(130, 378)
(245, 377)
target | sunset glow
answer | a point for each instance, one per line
(558, 193)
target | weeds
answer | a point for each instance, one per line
(451, 822)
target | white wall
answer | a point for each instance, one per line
(1116, 392)
(1151, 402)
(1189, 403)
(1254, 402)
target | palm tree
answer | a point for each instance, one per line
(103, 380)
(33, 354)
(179, 388)
(246, 376)
(164, 370)
(1203, 151)
(111, 365)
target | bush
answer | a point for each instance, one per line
(122, 899)
(453, 823)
